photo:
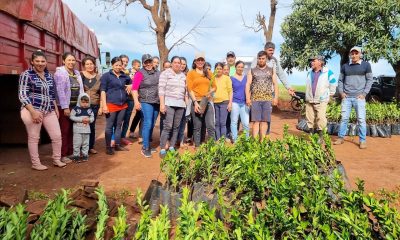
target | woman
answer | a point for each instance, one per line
(113, 101)
(125, 125)
(238, 101)
(172, 92)
(68, 85)
(145, 94)
(201, 86)
(37, 95)
(222, 96)
(186, 118)
(91, 85)
(225, 70)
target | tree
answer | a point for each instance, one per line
(261, 24)
(333, 27)
(160, 23)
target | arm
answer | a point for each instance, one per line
(340, 82)
(61, 88)
(23, 94)
(192, 95)
(74, 118)
(248, 84)
(103, 95)
(137, 79)
(276, 89)
(79, 78)
(230, 93)
(282, 76)
(369, 79)
(162, 85)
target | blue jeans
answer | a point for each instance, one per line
(239, 109)
(114, 121)
(359, 105)
(221, 113)
(127, 117)
(149, 115)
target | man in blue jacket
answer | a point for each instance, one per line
(355, 82)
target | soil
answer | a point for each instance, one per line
(124, 172)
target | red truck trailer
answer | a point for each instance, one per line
(26, 26)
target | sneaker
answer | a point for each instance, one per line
(76, 159)
(162, 154)
(153, 150)
(39, 167)
(85, 158)
(92, 151)
(58, 163)
(66, 160)
(363, 145)
(120, 148)
(125, 141)
(338, 141)
(171, 149)
(140, 141)
(146, 153)
(132, 135)
(110, 151)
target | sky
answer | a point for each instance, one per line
(222, 30)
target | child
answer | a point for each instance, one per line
(82, 115)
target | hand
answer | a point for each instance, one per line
(37, 117)
(197, 107)
(128, 89)
(138, 106)
(85, 120)
(100, 112)
(105, 109)
(291, 92)
(275, 102)
(162, 109)
(229, 108)
(248, 102)
(361, 96)
(67, 112)
(57, 113)
(343, 95)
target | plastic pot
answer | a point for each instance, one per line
(373, 130)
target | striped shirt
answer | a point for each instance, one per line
(173, 87)
(37, 92)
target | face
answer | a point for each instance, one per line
(218, 70)
(148, 65)
(156, 62)
(84, 104)
(176, 65)
(167, 65)
(225, 70)
(117, 67)
(89, 66)
(270, 52)
(200, 63)
(239, 69)
(124, 62)
(136, 66)
(39, 63)
(231, 60)
(70, 62)
(183, 65)
(316, 64)
(355, 56)
(262, 61)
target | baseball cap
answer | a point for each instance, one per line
(319, 57)
(355, 48)
(199, 55)
(230, 53)
(146, 57)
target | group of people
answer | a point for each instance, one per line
(207, 104)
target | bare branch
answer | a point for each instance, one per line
(254, 27)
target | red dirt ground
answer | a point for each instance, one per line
(127, 171)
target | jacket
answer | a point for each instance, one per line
(63, 86)
(94, 91)
(78, 114)
(114, 87)
(326, 86)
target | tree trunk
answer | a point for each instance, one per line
(271, 21)
(396, 68)
(162, 48)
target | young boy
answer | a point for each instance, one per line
(82, 115)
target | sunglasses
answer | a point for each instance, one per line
(200, 60)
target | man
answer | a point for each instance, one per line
(231, 60)
(355, 82)
(320, 85)
(261, 94)
(156, 62)
(273, 62)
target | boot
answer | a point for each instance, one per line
(120, 148)
(110, 151)
(58, 163)
(39, 167)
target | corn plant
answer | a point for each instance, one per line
(103, 214)
(121, 226)
(13, 223)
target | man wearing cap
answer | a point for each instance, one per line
(355, 82)
(274, 63)
(320, 85)
(231, 60)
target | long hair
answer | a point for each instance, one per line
(205, 71)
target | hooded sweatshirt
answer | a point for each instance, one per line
(78, 113)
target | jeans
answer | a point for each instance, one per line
(221, 114)
(149, 116)
(114, 121)
(359, 104)
(209, 122)
(181, 131)
(239, 109)
(172, 121)
(127, 117)
(92, 139)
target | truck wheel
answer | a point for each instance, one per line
(375, 98)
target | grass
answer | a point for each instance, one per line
(284, 95)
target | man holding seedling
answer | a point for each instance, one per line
(355, 82)
(320, 85)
